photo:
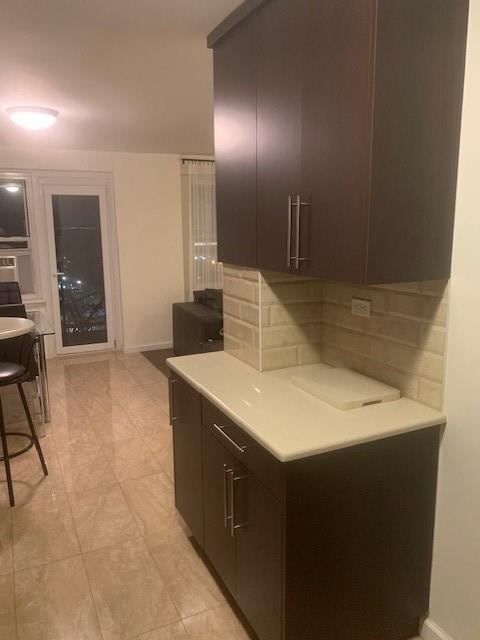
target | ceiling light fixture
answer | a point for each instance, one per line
(33, 118)
(12, 188)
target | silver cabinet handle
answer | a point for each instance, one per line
(298, 206)
(171, 382)
(227, 473)
(289, 232)
(233, 520)
(229, 439)
(297, 232)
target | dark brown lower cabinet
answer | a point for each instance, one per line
(336, 546)
(259, 555)
(219, 544)
(185, 417)
(243, 536)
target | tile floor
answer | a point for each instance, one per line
(96, 550)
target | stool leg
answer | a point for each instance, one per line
(6, 457)
(32, 429)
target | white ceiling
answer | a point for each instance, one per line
(126, 75)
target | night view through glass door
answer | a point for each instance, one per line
(80, 269)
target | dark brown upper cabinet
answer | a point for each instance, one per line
(337, 126)
(236, 146)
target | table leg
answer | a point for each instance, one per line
(43, 378)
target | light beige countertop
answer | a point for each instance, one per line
(289, 422)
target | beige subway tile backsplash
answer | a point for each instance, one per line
(274, 321)
(241, 289)
(279, 358)
(241, 331)
(298, 313)
(285, 335)
(418, 307)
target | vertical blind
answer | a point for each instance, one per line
(204, 270)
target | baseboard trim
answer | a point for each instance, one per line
(431, 631)
(137, 348)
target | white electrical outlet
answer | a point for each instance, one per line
(361, 307)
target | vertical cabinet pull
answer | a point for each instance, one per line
(298, 210)
(233, 520)
(289, 232)
(227, 474)
(171, 382)
(298, 204)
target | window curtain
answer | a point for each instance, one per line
(204, 270)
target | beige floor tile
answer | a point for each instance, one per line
(143, 406)
(112, 428)
(217, 624)
(7, 608)
(86, 467)
(189, 582)
(161, 445)
(102, 517)
(29, 482)
(54, 602)
(158, 390)
(119, 378)
(159, 394)
(74, 433)
(172, 632)
(6, 541)
(130, 595)
(104, 407)
(88, 396)
(151, 500)
(150, 420)
(131, 459)
(148, 376)
(43, 531)
(71, 409)
(128, 394)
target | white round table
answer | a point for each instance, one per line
(13, 327)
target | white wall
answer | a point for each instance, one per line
(149, 224)
(147, 196)
(455, 598)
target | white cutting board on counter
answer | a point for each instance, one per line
(342, 388)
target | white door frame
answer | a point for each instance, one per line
(67, 187)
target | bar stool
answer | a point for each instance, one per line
(15, 368)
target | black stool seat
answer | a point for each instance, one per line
(11, 373)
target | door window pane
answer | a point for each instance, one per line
(13, 214)
(15, 236)
(81, 286)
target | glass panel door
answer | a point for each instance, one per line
(81, 288)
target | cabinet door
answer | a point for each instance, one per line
(336, 139)
(236, 145)
(258, 516)
(219, 543)
(187, 450)
(279, 93)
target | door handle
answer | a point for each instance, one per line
(58, 274)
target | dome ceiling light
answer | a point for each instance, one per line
(33, 118)
(11, 188)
